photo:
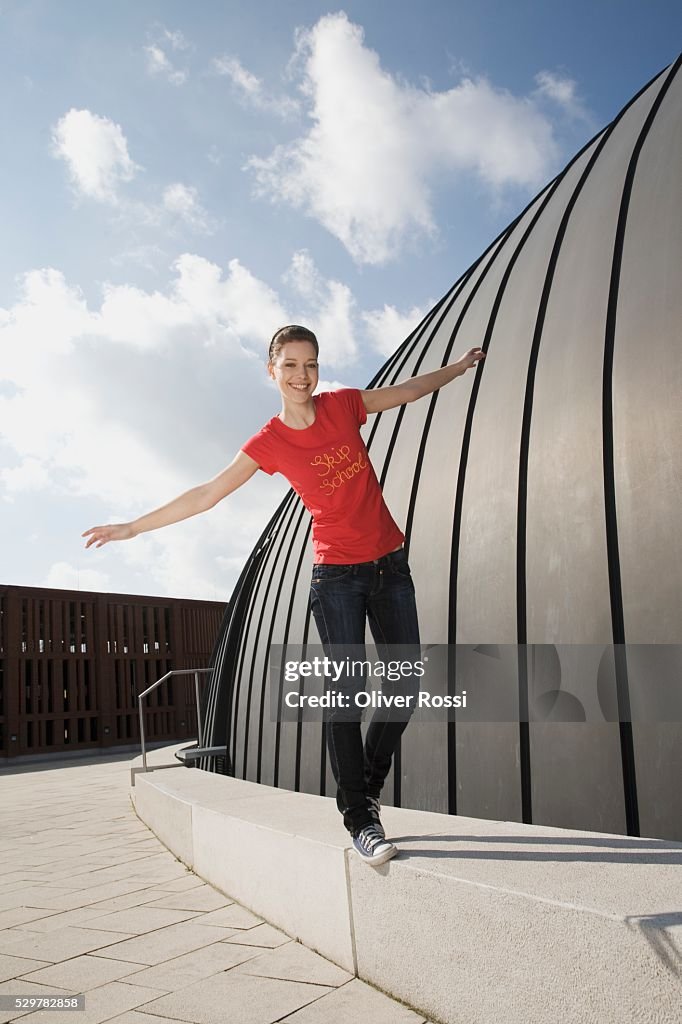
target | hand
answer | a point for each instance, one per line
(471, 357)
(103, 534)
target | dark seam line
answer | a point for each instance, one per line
(237, 646)
(266, 573)
(217, 715)
(258, 646)
(410, 341)
(267, 683)
(408, 347)
(384, 371)
(454, 295)
(233, 621)
(526, 809)
(294, 591)
(615, 582)
(246, 624)
(456, 292)
(451, 746)
(415, 370)
(434, 398)
(522, 500)
(245, 632)
(451, 295)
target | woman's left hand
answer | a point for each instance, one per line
(471, 357)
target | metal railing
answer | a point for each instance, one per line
(174, 672)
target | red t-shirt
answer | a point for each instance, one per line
(327, 464)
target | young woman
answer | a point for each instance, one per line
(360, 569)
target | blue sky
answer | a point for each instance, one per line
(177, 181)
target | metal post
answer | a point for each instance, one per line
(144, 749)
(200, 730)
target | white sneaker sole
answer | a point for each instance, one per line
(380, 858)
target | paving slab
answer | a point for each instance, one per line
(295, 962)
(164, 944)
(139, 920)
(183, 884)
(32, 895)
(140, 1017)
(232, 916)
(262, 935)
(82, 898)
(204, 898)
(191, 967)
(22, 915)
(62, 944)
(20, 988)
(101, 1004)
(83, 973)
(136, 898)
(15, 966)
(355, 1002)
(53, 921)
(237, 997)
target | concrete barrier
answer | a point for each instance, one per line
(477, 921)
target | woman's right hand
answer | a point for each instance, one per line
(100, 535)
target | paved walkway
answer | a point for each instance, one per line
(91, 902)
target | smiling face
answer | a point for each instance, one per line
(295, 369)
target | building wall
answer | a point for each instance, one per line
(72, 664)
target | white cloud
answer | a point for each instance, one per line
(183, 201)
(148, 256)
(62, 576)
(29, 475)
(176, 39)
(365, 167)
(158, 64)
(387, 328)
(329, 385)
(97, 392)
(328, 309)
(249, 88)
(96, 153)
(564, 92)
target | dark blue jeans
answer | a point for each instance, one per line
(342, 599)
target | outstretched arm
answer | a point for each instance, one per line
(191, 503)
(380, 399)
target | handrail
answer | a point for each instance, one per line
(173, 672)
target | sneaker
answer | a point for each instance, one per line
(375, 811)
(372, 847)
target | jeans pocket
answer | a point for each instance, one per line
(400, 565)
(330, 573)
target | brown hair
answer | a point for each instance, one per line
(292, 332)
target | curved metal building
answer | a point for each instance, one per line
(540, 497)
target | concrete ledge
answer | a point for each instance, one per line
(474, 920)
